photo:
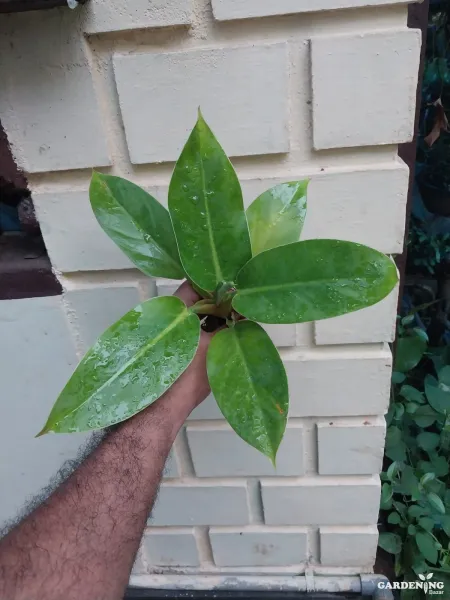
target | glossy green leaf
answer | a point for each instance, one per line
(398, 377)
(390, 542)
(425, 416)
(412, 394)
(436, 503)
(428, 441)
(394, 518)
(207, 210)
(138, 224)
(438, 394)
(409, 352)
(130, 366)
(395, 446)
(249, 383)
(276, 217)
(312, 280)
(386, 496)
(426, 544)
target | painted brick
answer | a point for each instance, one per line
(258, 546)
(170, 547)
(171, 468)
(369, 105)
(321, 501)
(159, 95)
(94, 309)
(373, 324)
(218, 452)
(201, 503)
(37, 358)
(349, 546)
(74, 239)
(351, 448)
(339, 381)
(48, 106)
(225, 10)
(103, 16)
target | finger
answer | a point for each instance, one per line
(186, 293)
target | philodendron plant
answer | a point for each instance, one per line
(248, 266)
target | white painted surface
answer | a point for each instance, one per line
(47, 102)
(218, 452)
(242, 93)
(351, 448)
(74, 239)
(357, 544)
(339, 382)
(321, 501)
(65, 107)
(244, 9)
(373, 324)
(170, 547)
(369, 103)
(258, 546)
(94, 309)
(36, 358)
(103, 15)
(201, 503)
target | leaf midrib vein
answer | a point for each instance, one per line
(184, 315)
(214, 255)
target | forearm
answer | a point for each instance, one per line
(82, 541)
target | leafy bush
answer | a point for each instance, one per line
(243, 265)
(415, 488)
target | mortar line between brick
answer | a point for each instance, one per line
(183, 456)
(204, 548)
(255, 503)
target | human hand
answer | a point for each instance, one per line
(195, 380)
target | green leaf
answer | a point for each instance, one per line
(386, 496)
(398, 377)
(428, 441)
(207, 210)
(412, 394)
(425, 416)
(137, 223)
(249, 382)
(440, 466)
(276, 217)
(390, 542)
(394, 518)
(426, 544)
(130, 366)
(410, 483)
(444, 376)
(436, 503)
(409, 352)
(412, 530)
(437, 395)
(426, 523)
(415, 511)
(395, 446)
(312, 280)
(427, 478)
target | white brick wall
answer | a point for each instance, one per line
(221, 82)
(244, 9)
(314, 95)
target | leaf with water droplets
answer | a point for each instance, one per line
(130, 366)
(207, 210)
(138, 224)
(312, 280)
(276, 217)
(249, 383)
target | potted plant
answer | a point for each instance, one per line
(248, 267)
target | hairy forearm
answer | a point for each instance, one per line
(82, 541)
